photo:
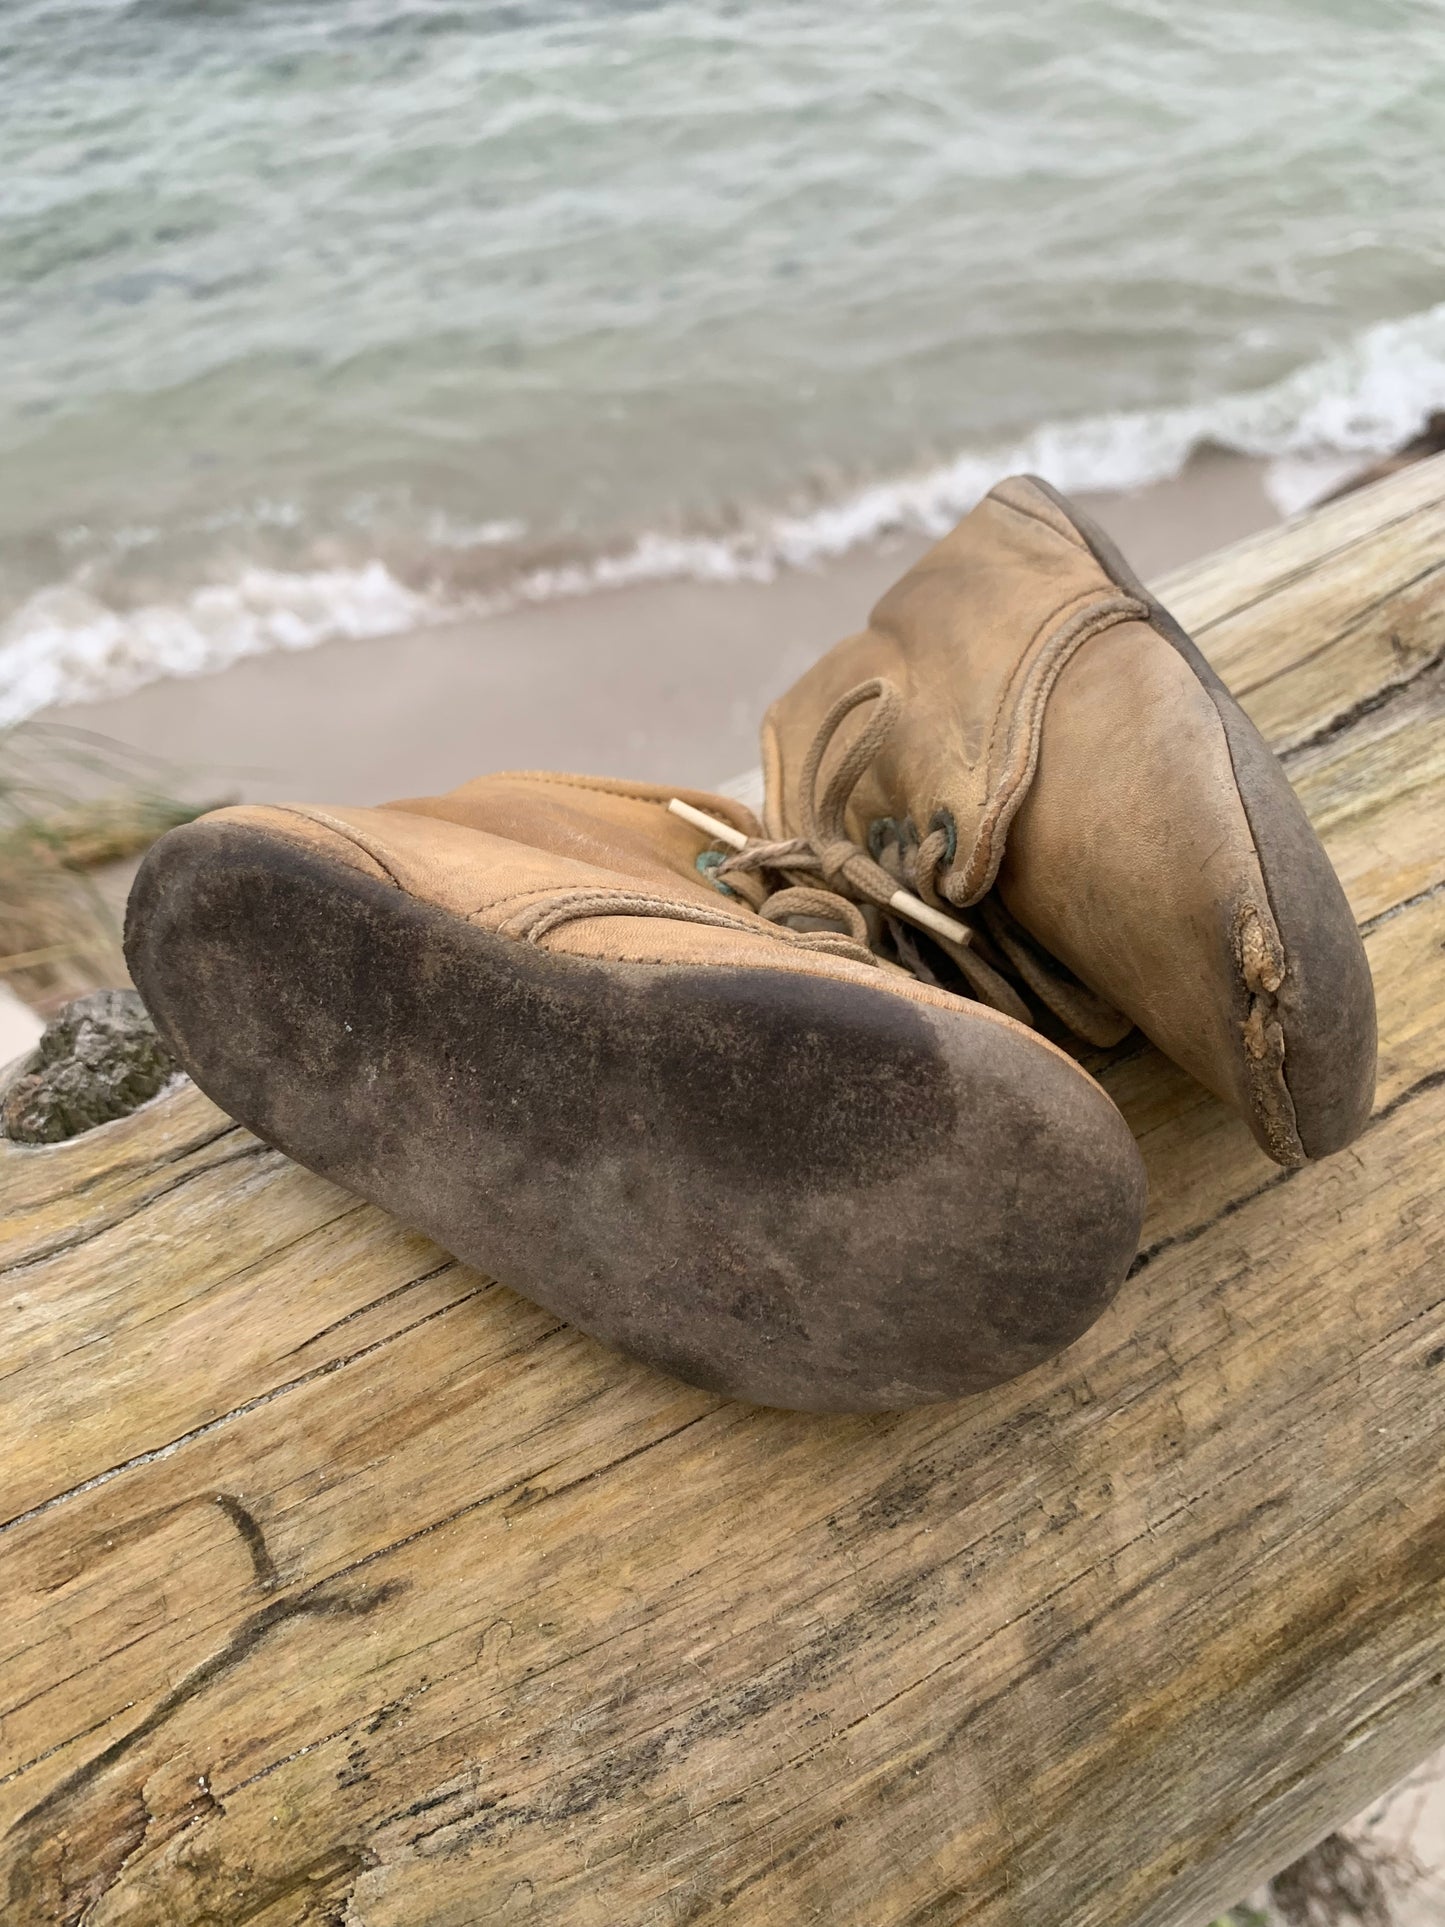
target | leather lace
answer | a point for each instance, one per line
(823, 874)
(537, 920)
(824, 864)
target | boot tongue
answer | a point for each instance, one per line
(975, 635)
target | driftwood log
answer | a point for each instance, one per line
(337, 1584)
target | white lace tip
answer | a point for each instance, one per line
(715, 827)
(927, 918)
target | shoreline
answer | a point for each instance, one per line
(659, 681)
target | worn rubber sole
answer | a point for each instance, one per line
(788, 1188)
(1326, 1003)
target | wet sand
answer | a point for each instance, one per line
(664, 682)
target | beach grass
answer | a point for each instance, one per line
(76, 810)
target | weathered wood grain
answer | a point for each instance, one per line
(340, 1584)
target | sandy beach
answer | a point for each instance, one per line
(664, 681)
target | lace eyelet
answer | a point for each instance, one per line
(943, 820)
(882, 831)
(706, 865)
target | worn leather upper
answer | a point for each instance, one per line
(1085, 760)
(975, 635)
(582, 866)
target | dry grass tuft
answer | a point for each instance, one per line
(1343, 1882)
(70, 804)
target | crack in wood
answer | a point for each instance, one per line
(522, 1484)
(1358, 618)
(62, 1247)
(243, 1410)
(369, 1722)
(268, 1259)
(1432, 1080)
(648, 1445)
(1194, 1232)
(71, 1739)
(148, 1161)
(112, 1535)
(372, 1304)
(1372, 924)
(1389, 693)
(314, 1602)
(1311, 565)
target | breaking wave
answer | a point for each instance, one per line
(65, 644)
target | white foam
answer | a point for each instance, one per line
(1293, 482)
(65, 646)
(1312, 428)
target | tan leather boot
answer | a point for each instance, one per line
(520, 1017)
(1067, 767)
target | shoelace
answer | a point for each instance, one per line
(826, 876)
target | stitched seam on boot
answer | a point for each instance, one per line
(774, 782)
(1039, 643)
(1023, 705)
(609, 902)
(344, 830)
(560, 780)
(520, 900)
(1270, 1094)
(868, 978)
(585, 904)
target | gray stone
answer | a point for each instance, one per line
(98, 1060)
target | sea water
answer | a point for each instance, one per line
(331, 317)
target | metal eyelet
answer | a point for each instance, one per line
(706, 865)
(881, 832)
(943, 820)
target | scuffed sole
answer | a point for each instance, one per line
(786, 1188)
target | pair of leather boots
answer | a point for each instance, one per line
(774, 1105)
